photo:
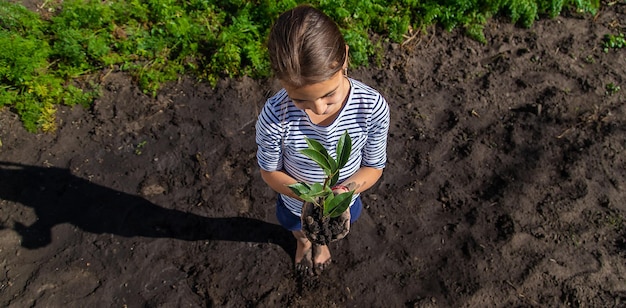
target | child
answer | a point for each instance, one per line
(309, 57)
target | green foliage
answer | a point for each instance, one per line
(612, 88)
(157, 40)
(611, 41)
(17, 19)
(321, 194)
(32, 77)
(139, 147)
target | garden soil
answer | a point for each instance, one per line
(505, 186)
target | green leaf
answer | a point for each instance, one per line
(334, 179)
(344, 147)
(328, 202)
(300, 188)
(319, 158)
(316, 145)
(308, 198)
(335, 206)
(317, 190)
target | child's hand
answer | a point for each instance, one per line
(339, 189)
(323, 231)
(345, 222)
(345, 217)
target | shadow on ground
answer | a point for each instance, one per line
(59, 197)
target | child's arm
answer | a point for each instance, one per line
(363, 179)
(278, 181)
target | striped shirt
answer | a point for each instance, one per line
(282, 127)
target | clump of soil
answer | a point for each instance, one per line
(321, 229)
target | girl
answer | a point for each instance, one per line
(309, 57)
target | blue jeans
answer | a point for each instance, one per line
(292, 222)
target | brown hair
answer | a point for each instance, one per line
(305, 47)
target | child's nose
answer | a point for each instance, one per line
(319, 106)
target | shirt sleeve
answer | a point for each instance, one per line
(375, 151)
(269, 134)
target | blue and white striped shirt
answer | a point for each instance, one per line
(282, 127)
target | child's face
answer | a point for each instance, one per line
(322, 98)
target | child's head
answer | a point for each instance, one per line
(306, 47)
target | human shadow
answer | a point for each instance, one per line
(59, 197)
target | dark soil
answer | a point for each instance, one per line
(506, 187)
(320, 229)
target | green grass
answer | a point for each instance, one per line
(46, 61)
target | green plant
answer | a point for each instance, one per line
(321, 194)
(45, 59)
(139, 147)
(612, 88)
(32, 79)
(611, 41)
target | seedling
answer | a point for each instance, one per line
(321, 194)
(139, 147)
(613, 42)
(612, 88)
